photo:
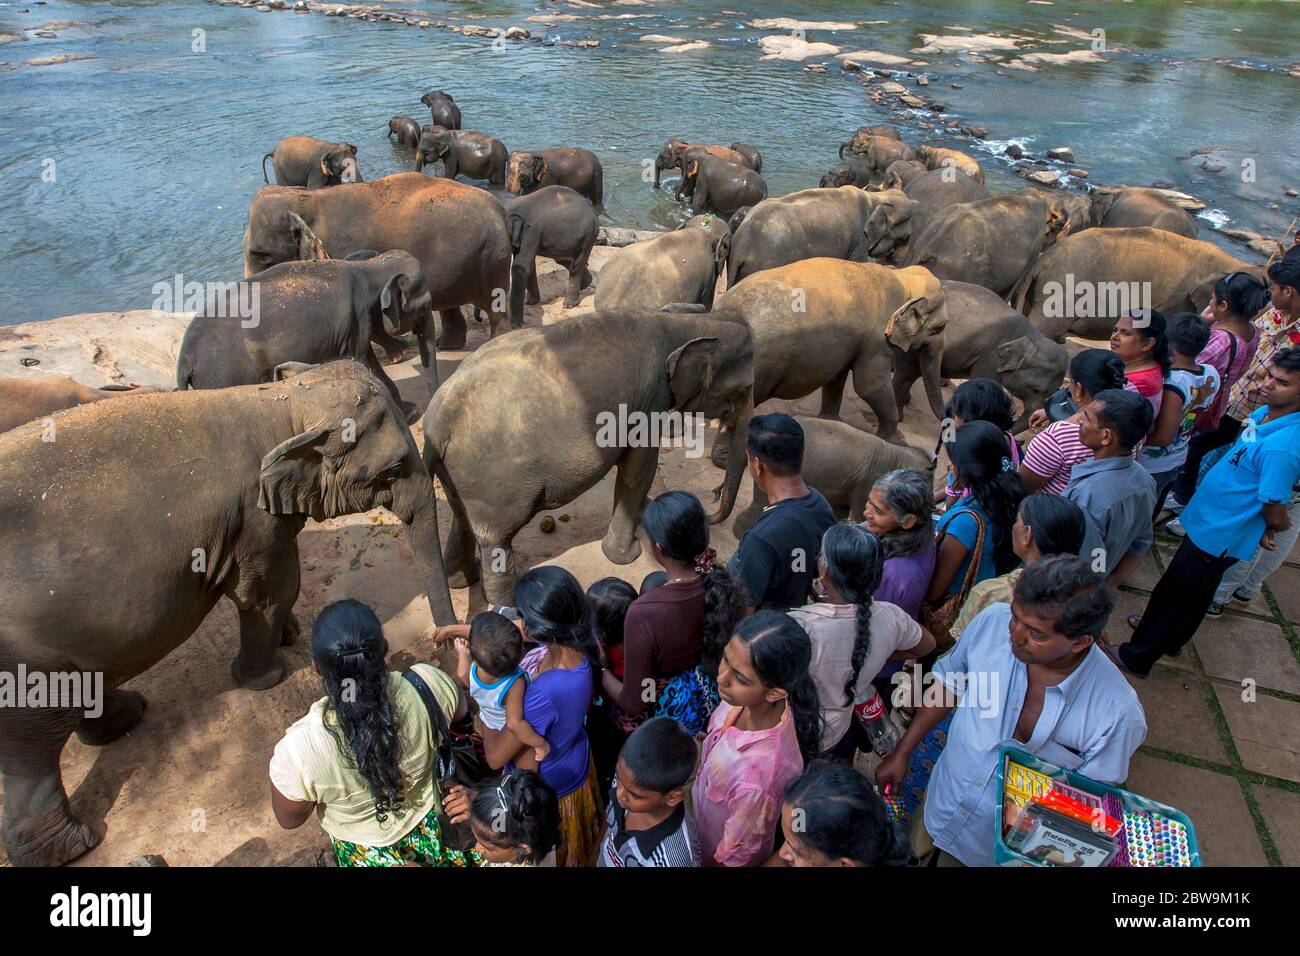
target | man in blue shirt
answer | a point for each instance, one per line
(1028, 674)
(1241, 505)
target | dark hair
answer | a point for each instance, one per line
(844, 818)
(1095, 370)
(347, 645)
(781, 653)
(1243, 294)
(1126, 413)
(854, 561)
(1188, 334)
(1058, 523)
(777, 441)
(555, 610)
(1068, 583)
(610, 598)
(1288, 360)
(981, 400)
(1286, 270)
(676, 522)
(660, 754)
(1151, 324)
(981, 457)
(516, 809)
(495, 643)
(655, 579)
(907, 492)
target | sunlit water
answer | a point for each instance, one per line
(157, 149)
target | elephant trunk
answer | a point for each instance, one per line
(419, 160)
(426, 544)
(426, 334)
(659, 168)
(736, 463)
(931, 359)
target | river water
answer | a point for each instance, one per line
(124, 169)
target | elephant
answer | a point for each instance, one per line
(557, 222)
(1119, 208)
(555, 394)
(312, 313)
(843, 463)
(442, 109)
(671, 156)
(986, 338)
(851, 173)
(718, 186)
(578, 169)
(877, 152)
(406, 129)
(886, 130)
(818, 320)
(738, 217)
(27, 399)
(150, 512)
(1085, 282)
(476, 155)
(457, 232)
(678, 266)
(901, 172)
(938, 188)
(843, 223)
(750, 156)
(937, 157)
(313, 163)
(989, 242)
(1076, 209)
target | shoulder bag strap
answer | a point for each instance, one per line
(441, 733)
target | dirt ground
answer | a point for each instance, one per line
(190, 781)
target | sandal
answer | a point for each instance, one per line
(1133, 620)
(1112, 651)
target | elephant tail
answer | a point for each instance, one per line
(1019, 296)
(264, 159)
(185, 372)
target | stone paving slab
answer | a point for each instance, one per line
(1178, 714)
(1235, 648)
(1147, 573)
(1225, 829)
(1118, 631)
(1266, 731)
(1281, 810)
(1285, 585)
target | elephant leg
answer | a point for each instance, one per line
(874, 385)
(747, 517)
(458, 558)
(906, 372)
(452, 335)
(833, 396)
(497, 563)
(718, 453)
(534, 291)
(265, 600)
(39, 828)
(122, 710)
(409, 409)
(636, 472)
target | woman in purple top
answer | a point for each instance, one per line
(898, 513)
(554, 611)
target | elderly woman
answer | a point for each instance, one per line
(898, 513)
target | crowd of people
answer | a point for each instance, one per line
(711, 715)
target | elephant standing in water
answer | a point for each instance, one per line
(27, 399)
(442, 109)
(672, 155)
(531, 421)
(457, 232)
(475, 155)
(312, 163)
(678, 266)
(716, 185)
(406, 129)
(877, 152)
(578, 169)
(1121, 208)
(150, 511)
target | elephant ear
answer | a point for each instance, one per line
(692, 167)
(392, 299)
(517, 223)
(309, 245)
(290, 478)
(539, 168)
(1201, 293)
(690, 369)
(720, 253)
(288, 370)
(904, 325)
(1012, 355)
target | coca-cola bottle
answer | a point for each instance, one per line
(881, 732)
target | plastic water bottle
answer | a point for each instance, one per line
(883, 735)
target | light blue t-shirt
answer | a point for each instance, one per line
(1226, 514)
(962, 526)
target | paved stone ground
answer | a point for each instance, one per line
(1223, 740)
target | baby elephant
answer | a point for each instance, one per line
(442, 109)
(556, 222)
(842, 462)
(311, 313)
(406, 129)
(579, 169)
(678, 266)
(303, 161)
(477, 155)
(27, 399)
(851, 173)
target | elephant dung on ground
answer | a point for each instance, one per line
(457, 232)
(842, 462)
(443, 110)
(989, 242)
(473, 154)
(578, 169)
(1129, 206)
(27, 399)
(843, 223)
(312, 163)
(555, 222)
(311, 313)
(1085, 282)
(716, 185)
(532, 420)
(150, 511)
(406, 130)
(678, 266)
(938, 157)
(986, 338)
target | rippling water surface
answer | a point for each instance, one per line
(157, 149)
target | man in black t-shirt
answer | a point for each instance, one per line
(777, 558)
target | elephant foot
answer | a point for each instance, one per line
(292, 630)
(451, 342)
(531, 299)
(51, 838)
(249, 679)
(621, 555)
(894, 437)
(463, 579)
(122, 711)
(571, 301)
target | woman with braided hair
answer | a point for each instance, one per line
(852, 635)
(673, 636)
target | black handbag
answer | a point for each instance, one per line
(458, 762)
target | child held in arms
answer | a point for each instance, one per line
(488, 666)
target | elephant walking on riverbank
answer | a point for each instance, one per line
(149, 512)
(678, 266)
(555, 222)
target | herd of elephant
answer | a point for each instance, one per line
(119, 536)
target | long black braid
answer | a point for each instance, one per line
(855, 560)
